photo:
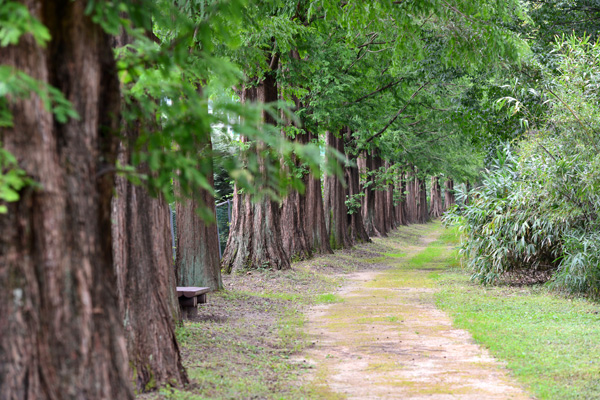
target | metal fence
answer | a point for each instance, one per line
(223, 221)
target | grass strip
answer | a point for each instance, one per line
(549, 342)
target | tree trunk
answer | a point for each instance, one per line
(390, 221)
(366, 165)
(381, 216)
(356, 228)
(143, 259)
(336, 213)
(411, 197)
(422, 211)
(197, 256)
(436, 198)
(61, 330)
(314, 215)
(146, 285)
(293, 234)
(399, 208)
(255, 235)
(448, 194)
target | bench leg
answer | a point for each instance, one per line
(189, 312)
(202, 298)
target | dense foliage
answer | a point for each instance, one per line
(538, 205)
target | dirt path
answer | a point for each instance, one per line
(387, 339)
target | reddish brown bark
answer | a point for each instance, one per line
(197, 257)
(422, 209)
(436, 208)
(448, 194)
(314, 215)
(61, 330)
(293, 233)
(390, 215)
(411, 197)
(143, 259)
(400, 206)
(366, 165)
(336, 212)
(255, 236)
(356, 228)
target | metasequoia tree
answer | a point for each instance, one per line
(336, 211)
(296, 242)
(314, 215)
(411, 196)
(143, 260)
(61, 329)
(422, 210)
(449, 199)
(255, 235)
(356, 228)
(197, 256)
(436, 208)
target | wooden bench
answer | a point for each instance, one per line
(189, 298)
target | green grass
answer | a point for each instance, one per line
(550, 343)
(328, 298)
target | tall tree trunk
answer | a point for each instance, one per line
(293, 234)
(366, 165)
(336, 213)
(255, 235)
(411, 197)
(314, 215)
(436, 210)
(390, 221)
(448, 194)
(356, 228)
(422, 210)
(400, 207)
(61, 330)
(197, 256)
(381, 216)
(143, 259)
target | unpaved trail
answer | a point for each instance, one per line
(387, 339)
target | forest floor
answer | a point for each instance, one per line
(378, 321)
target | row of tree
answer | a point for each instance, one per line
(105, 121)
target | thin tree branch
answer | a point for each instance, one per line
(374, 92)
(391, 121)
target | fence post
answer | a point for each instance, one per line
(218, 233)
(172, 231)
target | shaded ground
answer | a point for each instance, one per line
(358, 324)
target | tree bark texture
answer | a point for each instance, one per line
(197, 255)
(314, 215)
(381, 216)
(356, 228)
(336, 212)
(436, 209)
(293, 233)
(61, 330)
(422, 209)
(449, 199)
(400, 208)
(366, 165)
(255, 234)
(143, 259)
(390, 221)
(411, 197)
(146, 284)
